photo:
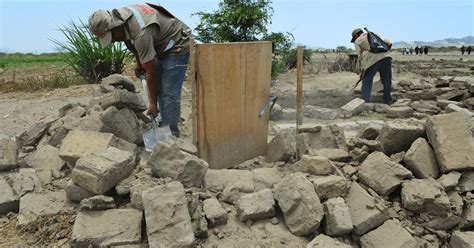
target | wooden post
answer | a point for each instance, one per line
(299, 93)
(192, 80)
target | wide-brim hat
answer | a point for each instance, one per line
(102, 22)
(354, 33)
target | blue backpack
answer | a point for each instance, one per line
(377, 45)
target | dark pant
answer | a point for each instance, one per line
(384, 67)
(171, 71)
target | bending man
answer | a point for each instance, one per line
(160, 43)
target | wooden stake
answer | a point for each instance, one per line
(192, 80)
(299, 92)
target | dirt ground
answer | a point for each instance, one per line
(19, 110)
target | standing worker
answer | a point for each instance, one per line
(371, 64)
(463, 49)
(160, 44)
(469, 49)
(425, 50)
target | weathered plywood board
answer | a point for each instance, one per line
(232, 85)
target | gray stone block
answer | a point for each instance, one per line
(330, 186)
(398, 135)
(399, 112)
(99, 172)
(76, 193)
(46, 159)
(256, 206)
(9, 200)
(421, 160)
(266, 178)
(122, 123)
(390, 234)
(338, 217)
(218, 180)
(353, 107)
(323, 241)
(315, 165)
(8, 153)
(462, 240)
(452, 141)
(120, 99)
(168, 220)
(46, 203)
(169, 161)
(382, 174)
(425, 196)
(215, 214)
(281, 148)
(299, 203)
(365, 216)
(107, 228)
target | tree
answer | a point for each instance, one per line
(235, 20)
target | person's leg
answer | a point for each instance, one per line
(367, 82)
(174, 71)
(385, 70)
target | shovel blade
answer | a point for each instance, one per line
(150, 137)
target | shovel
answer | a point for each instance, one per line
(154, 134)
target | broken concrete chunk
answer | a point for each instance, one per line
(398, 135)
(8, 153)
(468, 217)
(215, 214)
(46, 159)
(98, 202)
(315, 165)
(122, 123)
(120, 99)
(169, 161)
(47, 203)
(450, 180)
(330, 186)
(321, 137)
(266, 178)
(390, 234)
(462, 240)
(338, 217)
(363, 217)
(455, 108)
(76, 193)
(281, 148)
(100, 172)
(9, 200)
(353, 107)
(217, 180)
(79, 143)
(421, 160)
(299, 203)
(107, 228)
(168, 220)
(382, 174)
(256, 206)
(323, 241)
(452, 141)
(425, 196)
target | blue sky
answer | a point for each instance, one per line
(27, 25)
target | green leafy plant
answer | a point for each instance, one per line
(87, 57)
(235, 20)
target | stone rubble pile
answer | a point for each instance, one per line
(400, 183)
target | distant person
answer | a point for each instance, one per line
(463, 49)
(425, 50)
(372, 63)
(469, 49)
(411, 50)
(417, 49)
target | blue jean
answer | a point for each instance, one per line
(171, 71)
(384, 67)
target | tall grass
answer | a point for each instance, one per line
(87, 57)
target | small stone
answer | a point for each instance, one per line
(214, 212)
(450, 180)
(315, 165)
(98, 202)
(8, 153)
(281, 148)
(275, 221)
(353, 107)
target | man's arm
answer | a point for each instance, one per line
(151, 83)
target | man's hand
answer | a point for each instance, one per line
(153, 109)
(139, 71)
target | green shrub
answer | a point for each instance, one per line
(87, 57)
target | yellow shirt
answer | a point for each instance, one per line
(367, 59)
